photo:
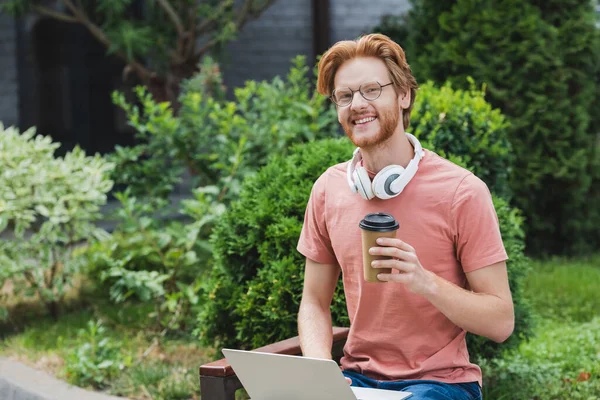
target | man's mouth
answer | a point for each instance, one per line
(363, 121)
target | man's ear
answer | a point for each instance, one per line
(404, 100)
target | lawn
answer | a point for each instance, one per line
(122, 336)
(562, 360)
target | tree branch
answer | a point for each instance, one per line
(203, 49)
(188, 50)
(244, 15)
(247, 12)
(82, 18)
(208, 22)
(244, 11)
(54, 14)
(172, 15)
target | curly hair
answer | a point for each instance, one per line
(373, 45)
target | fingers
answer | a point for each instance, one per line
(393, 242)
(400, 278)
(401, 266)
(348, 380)
(393, 252)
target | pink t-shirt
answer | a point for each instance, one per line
(446, 213)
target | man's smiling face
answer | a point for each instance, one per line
(368, 123)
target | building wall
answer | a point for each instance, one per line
(266, 46)
(349, 20)
(263, 50)
(9, 98)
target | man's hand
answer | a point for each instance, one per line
(485, 310)
(404, 259)
(347, 379)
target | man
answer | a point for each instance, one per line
(448, 262)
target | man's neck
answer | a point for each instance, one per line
(397, 150)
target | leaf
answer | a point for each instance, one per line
(3, 314)
(43, 210)
(3, 223)
(584, 376)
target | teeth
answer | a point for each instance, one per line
(365, 120)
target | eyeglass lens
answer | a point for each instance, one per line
(369, 91)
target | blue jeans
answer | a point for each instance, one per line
(421, 389)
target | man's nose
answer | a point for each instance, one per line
(358, 102)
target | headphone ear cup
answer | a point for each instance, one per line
(382, 182)
(363, 183)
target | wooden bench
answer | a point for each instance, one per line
(219, 382)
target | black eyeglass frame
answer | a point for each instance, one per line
(361, 93)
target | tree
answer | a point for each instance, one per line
(540, 61)
(161, 41)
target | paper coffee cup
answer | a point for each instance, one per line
(374, 226)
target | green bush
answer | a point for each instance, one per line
(154, 259)
(97, 360)
(252, 296)
(48, 205)
(219, 142)
(540, 62)
(462, 124)
(253, 293)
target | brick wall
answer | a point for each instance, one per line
(267, 45)
(263, 50)
(349, 19)
(9, 97)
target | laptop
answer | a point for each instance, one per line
(268, 376)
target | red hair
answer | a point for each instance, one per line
(373, 45)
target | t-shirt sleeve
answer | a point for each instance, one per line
(314, 242)
(476, 227)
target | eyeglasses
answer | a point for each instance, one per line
(369, 91)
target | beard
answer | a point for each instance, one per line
(388, 122)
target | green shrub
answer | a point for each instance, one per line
(152, 259)
(253, 293)
(462, 124)
(561, 362)
(155, 261)
(540, 62)
(219, 141)
(47, 206)
(96, 360)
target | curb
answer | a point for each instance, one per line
(20, 382)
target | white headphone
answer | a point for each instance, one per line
(389, 182)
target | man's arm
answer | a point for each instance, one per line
(314, 317)
(487, 310)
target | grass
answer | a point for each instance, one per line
(561, 361)
(168, 372)
(563, 289)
